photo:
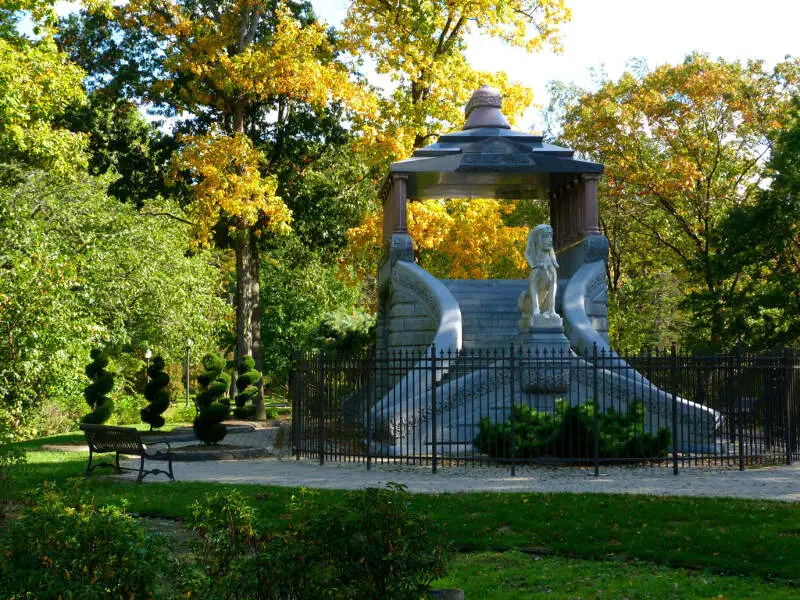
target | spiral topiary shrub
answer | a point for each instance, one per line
(247, 383)
(95, 393)
(213, 406)
(156, 394)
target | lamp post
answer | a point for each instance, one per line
(148, 355)
(188, 349)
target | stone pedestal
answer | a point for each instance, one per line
(544, 354)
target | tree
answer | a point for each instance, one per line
(121, 142)
(683, 146)
(230, 64)
(760, 244)
(421, 46)
(301, 287)
(79, 269)
(37, 84)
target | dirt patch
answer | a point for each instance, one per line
(220, 452)
(65, 447)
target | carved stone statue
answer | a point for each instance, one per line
(540, 299)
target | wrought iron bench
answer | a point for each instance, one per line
(124, 440)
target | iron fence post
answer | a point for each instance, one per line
(740, 410)
(673, 384)
(372, 375)
(595, 412)
(433, 408)
(513, 421)
(321, 400)
(788, 363)
(294, 390)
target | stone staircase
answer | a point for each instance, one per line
(489, 313)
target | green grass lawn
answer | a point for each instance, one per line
(517, 576)
(524, 545)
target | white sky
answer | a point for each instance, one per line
(605, 34)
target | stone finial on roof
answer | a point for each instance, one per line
(483, 109)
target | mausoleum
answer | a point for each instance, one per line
(419, 313)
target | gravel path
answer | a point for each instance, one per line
(775, 483)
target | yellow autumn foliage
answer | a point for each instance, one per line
(224, 64)
(223, 172)
(225, 59)
(454, 239)
(422, 48)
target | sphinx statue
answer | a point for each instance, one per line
(540, 298)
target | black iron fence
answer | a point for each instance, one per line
(511, 407)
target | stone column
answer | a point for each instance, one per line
(387, 203)
(401, 246)
(591, 226)
(399, 182)
(572, 212)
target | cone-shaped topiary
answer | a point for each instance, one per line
(213, 407)
(95, 393)
(156, 394)
(247, 383)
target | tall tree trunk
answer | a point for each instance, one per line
(248, 286)
(248, 308)
(255, 322)
(244, 295)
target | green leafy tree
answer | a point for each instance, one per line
(96, 393)
(121, 142)
(37, 84)
(300, 288)
(212, 404)
(759, 245)
(78, 269)
(156, 394)
(683, 145)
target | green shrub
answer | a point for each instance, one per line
(569, 433)
(156, 394)
(180, 412)
(379, 548)
(127, 408)
(211, 403)
(10, 456)
(79, 551)
(247, 384)
(272, 413)
(96, 392)
(346, 333)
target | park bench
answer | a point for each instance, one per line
(124, 440)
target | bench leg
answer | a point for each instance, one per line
(171, 476)
(89, 466)
(117, 463)
(141, 471)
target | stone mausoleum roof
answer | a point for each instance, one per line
(487, 159)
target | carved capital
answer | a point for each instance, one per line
(401, 248)
(595, 248)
